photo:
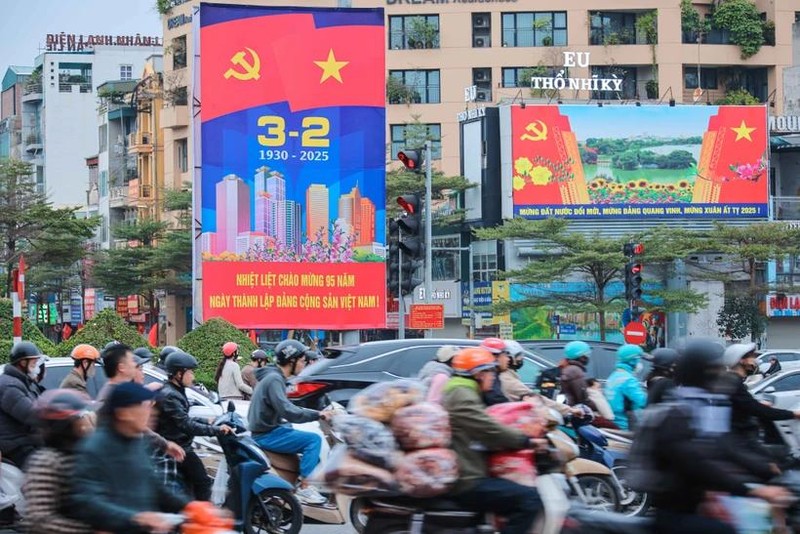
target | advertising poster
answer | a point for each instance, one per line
(293, 166)
(628, 162)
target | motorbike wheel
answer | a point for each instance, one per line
(357, 516)
(274, 511)
(633, 503)
(599, 492)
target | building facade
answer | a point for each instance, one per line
(13, 87)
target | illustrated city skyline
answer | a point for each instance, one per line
(280, 219)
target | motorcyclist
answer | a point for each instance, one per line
(162, 356)
(18, 391)
(497, 347)
(228, 377)
(85, 358)
(175, 424)
(660, 380)
(437, 372)
(624, 392)
(62, 420)
(473, 433)
(677, 453)
(271, 412)
(258, 359)
(573, 374)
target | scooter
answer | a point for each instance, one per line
(12, 502)
(260, 500)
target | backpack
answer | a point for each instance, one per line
(549, 382)
(643, 474)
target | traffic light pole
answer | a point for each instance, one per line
(401, 300)
(428, 227)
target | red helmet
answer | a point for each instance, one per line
(472, 361)
(229, 349)
(495, 345)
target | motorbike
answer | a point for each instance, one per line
(260, 500)
(12, 502)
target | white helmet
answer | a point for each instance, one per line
(514, 348)
(736, 352)
(446, 353)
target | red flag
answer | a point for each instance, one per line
(66, 333)
(152, 337)
(253, 336)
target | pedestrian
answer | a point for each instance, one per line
(258, 359)
(624, 392)
(228, 377)
(84, 358)
(62, 421)
(114, 488)
(18, 392)
(573, 374)
(175, 424)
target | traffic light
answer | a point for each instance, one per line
(393, 258)
(411, 243)
(633, 271)
(411, 159)
(632, 249)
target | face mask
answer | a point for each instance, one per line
(33, 371)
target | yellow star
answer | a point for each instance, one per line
(743, 132)
(331, 68)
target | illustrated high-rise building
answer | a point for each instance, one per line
(358, 214)
(270, 189)
(289, 216)
(246, 241)
(265, 207)
(233, 211)
(208, 242)
(367, 235)
(317, 212)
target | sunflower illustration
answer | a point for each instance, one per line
(518, 183)
(633, 185)
(671, 188)
(523, 166)
(642, 183)
(684, 184)
(540, 175)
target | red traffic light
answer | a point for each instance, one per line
(410, 158)
(409, 203)
(638, 248)
(636, 268)
(633, 249)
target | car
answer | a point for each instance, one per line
(601, 364)
(781, 390)
(789, 359)
(346, 370)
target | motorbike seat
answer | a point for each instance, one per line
(284, 462)
(420, 505)
(618, 433)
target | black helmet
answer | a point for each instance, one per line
(259, 355)
(290, 350)
(144, 353)
(180, 361)
(60, 405)
(664, 359)
(166, 351)
(700, 363)
(111, 344)
(24, 350)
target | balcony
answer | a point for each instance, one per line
(33, 93)
(33, 142)
(118, 196)
(175, 117)
(786, 208)
(140, 143)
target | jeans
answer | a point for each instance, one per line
(518, 504)
(286, 440)
(195, 476)
(677, 523)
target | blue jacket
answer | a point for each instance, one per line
(624, 393)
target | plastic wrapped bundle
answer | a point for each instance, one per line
(381, 400)
(421, 426)
(523, 416)
(427, 473)
(367, 440)
(347, 475)
(516, 466)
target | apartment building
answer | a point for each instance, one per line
(13, 86)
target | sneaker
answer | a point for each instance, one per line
(310, 495)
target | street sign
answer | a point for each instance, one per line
(426, 317)
(635, 333)
(506, 331)
(569, 329)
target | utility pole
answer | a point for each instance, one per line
(401, 300)
(428, 228)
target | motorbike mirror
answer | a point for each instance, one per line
(770, 390)
(231, 407)
(213, 396)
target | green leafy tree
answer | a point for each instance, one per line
(205, 343)
(741, 318)
(29, 332)
(743, 20)
(738, 97)
(171, 261)
(104, 328)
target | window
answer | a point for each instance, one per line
(180, 96)
(406, 136)
(182, 155)
(544, 28)
(422, 84)
(628, 75)
(413, 31)
(446, 263)
(102, 137)
(482, 79)
(708, 78)
(608, 28)
(126, 72)
(484, 260)
(70, 74)
(103, 183)
(521, 76)
(407, 363)
(179, 52)
(790, 383)
(481, 30)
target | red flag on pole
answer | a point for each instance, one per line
(152, 337)
(66, 333)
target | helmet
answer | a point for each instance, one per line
(229, 349)
(471, 361)
(495, 345)
(289, 350)
(180, 361)
(575, 349)
(664, 359)
(111, 344)
(84, 351)
(736, 352)
(24, 350)
(446, 353)
(514, 348)
(629, 354)
(60, 405)
(144, 353)
(166, 351)
(700, 360)
(259, 355)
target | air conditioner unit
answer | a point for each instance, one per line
(480, 42)
(482, 75)
(480, 21)
(483, 95)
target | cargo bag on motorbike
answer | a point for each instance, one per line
(548, 382)
(643, 473)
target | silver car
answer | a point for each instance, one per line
(781, 390)
(789, 359)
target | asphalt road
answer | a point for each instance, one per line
(307, 529)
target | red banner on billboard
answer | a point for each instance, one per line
(321, 295)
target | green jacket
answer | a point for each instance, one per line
(475, 432)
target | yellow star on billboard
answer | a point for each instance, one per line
(331, 68)
(743, 132)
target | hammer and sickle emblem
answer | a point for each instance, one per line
(538, 129)
(250, 70)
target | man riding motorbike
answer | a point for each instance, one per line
(18, 391)
(573, 375)
(660, 380)
(258, 359)
(474, 432)
(624, 392)
(85, 358)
